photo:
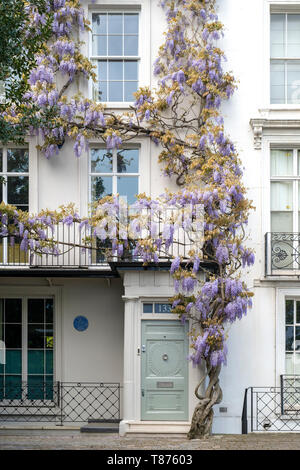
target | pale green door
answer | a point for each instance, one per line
(164, 371)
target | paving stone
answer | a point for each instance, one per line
(77, 441)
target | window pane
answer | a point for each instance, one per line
(277, 35)
(115, 23)
(99, 21)
(13, 310)
(115, 92)
(36, 311)
(297, 339)
(49, 337)
(36, 387)
(289, 363)
(115, 70)
(36, 362)
(129, 89)
(17, 160)
(131, 45)
(100, 186)
(102, 70)
(13, 362)
(281, 162)
(297, 312)
(128, 161)
(36, 335)
(147, 308)
(289, 338)
(282, 222)
(49, 362)
(130, 70)
(102, 91)
(131, 23)
(277, 82)
(13, 387)
(293, 82)
(115, 45)
(293, 35)
(163, 308)
(17, 190)
(129, 187)
(289, 312)
(99, 45)
(101, 161)
(49, 310)
(13, 336)
(1, 160)
(281, 196)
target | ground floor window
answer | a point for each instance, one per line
(292, 337)
(27, 330)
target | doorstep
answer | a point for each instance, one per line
(21, 429)
(154, 427)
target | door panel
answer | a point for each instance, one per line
(164, 371)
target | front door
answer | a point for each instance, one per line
(164, 370)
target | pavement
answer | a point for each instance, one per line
(73, 440)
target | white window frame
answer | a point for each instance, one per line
(282, 294)
(5, 174)
(294, 179)
(114, 174)
(142, 7)
(123, 58)
(26, 293)
(285, 59)
(272, 7)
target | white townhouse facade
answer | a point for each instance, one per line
(86, 340)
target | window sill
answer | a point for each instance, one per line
(117, 104)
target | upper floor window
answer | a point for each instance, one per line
(285, 190)
(114, 172)
(14, 170)
(285, 58)
(115, 49)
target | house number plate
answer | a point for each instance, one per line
(165, 384)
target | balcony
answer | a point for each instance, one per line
(282, 254)
(77, 255)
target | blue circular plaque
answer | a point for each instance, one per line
(81, 323)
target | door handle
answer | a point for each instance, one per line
(143, 348)
(143, 392)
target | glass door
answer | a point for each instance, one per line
(27, 330)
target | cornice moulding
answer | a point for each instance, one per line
(259, 126)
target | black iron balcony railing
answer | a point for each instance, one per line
(273, 409)
(60, 402)
(282, 254)
(74, 251)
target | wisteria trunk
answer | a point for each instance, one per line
(202, 420)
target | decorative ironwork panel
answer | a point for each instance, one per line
(282, 253)
(60, 402)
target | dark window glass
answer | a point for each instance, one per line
(13, 336)
(17, 160)
(17, 190)
(289, 312)
(36, 336)
(289, 341)
(13, 310)
(36, 311)
(147, 308)
(49, 310)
